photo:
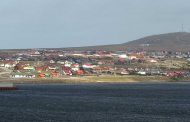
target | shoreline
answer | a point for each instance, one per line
(97, 79)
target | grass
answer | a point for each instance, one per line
(97, 79)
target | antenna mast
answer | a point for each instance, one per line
(182, 28)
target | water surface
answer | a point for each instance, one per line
(97, 102)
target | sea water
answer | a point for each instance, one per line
(156, 102)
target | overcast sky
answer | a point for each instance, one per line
(66, 23)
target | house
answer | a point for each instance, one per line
(67, 70)
(68, 63)
(52, 67)
(152, 60)
(8, 64)
(22, 75)
(75, 67)
(41, 75)
(124, 72)
(40, 68)
(51, 61)
(35, 53)
(55, 74)
(102, 69)
(87, 65)
(29, 68)
(44, 75)
(61, 62)
(23, 66)
(124, 56)
(175, 74)
(133, 57)
(80, 72)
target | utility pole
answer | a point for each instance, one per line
(115, 71)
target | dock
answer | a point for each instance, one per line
(7, 86)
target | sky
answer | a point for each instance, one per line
(73, 23)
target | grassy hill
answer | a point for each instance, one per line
(179, 41)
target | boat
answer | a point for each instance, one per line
(7, 86)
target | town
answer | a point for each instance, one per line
(57, 63)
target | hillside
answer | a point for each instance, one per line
(179, 41)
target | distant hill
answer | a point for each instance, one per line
(179, 41)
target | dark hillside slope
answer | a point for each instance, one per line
(179, 41)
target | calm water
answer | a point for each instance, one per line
(97, 102)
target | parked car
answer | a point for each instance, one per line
(155, 72)
(175, 74)
(141, 72)
(124, 72)
(187, 74)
